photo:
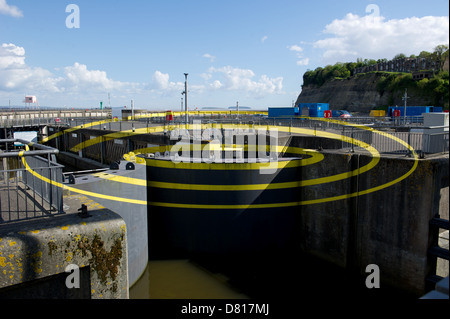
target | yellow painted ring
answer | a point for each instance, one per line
(373, 163)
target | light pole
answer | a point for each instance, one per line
(185, 97)
(405, 98)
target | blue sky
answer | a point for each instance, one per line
(251, 51)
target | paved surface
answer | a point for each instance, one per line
(18, 203)
(442, 268)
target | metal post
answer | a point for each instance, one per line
(186, 98)
(50, 192)
(405, 98)
(353, 150)
(409, 143)
(132, 110)
(102, 155)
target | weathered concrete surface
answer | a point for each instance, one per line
(34, 253)
(121, 187)
(393, 224)
(388, 227)
(443, 205)
(442, 267)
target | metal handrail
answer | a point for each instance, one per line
(26, 194)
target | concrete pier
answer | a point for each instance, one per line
(47, 257)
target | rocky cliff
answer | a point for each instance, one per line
(359, 94)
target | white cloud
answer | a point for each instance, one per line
(88, 85)
(17, 76)
(216, 85)
(10, 10)
(209, 56)
(162, 84)
(295, 48)
(374, 37)
(304, 61)
(80, 79)
(236, 79)
(264, 38)
(11, 55)
(298, 49)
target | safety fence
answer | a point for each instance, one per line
(28, 181)
(386, 136)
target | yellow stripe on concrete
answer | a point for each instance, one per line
(223, 166)
(76, 128)
(80, 191)
(373, 163)
(199, 206)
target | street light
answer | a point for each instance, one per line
(405, 98)
(185, 97)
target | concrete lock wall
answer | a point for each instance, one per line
(388, 227)
(393, 225)
(34, 257)
(119, 190)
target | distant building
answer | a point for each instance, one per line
(422, 66)
(417, 76)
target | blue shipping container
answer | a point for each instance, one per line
(414, 110)
(316, 109)
(283, 112)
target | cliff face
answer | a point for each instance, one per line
(357, 94)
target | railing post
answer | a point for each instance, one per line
(353, 147)
(409, 143)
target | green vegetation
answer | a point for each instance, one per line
(321, 75)
(436, 89)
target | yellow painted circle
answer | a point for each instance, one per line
(314, 159)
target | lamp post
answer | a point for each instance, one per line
(405, 98)
(185, 98)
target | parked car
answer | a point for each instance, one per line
(341, 113)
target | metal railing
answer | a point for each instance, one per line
(62, 121)
(387, 143)
(28, 192)
(7, 123)
(422, 142)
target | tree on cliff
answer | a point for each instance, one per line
(440, 54)
(320, 75)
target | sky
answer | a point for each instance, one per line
(79, 53)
